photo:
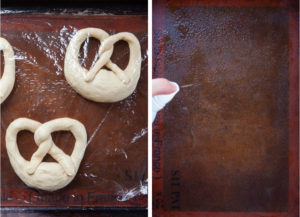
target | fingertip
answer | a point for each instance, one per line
(176, 86)
(163, 86)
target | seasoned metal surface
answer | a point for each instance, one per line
(226, 135)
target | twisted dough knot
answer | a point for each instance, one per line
(48, 176)
(8, 78)
(99, 84)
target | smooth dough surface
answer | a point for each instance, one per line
(49, 176)
(98, 84)
(8, 77)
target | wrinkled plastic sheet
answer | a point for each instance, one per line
(113, 172)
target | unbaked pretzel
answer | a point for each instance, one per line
(49, 176)
(8, 77)
(99, 84)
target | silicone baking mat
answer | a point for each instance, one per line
(227, 145)
(113, 172)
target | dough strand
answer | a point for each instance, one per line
(8, 77)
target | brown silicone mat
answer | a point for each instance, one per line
(227, 145)
(113, 171)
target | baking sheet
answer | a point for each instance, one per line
(113, 172)
(224, 145)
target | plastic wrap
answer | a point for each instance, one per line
(113, 172)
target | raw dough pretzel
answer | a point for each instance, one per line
(8, 77)
(49, 176)
(99, 84)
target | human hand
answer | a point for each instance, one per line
(163, 92)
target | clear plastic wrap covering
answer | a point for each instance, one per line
(113, 172)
